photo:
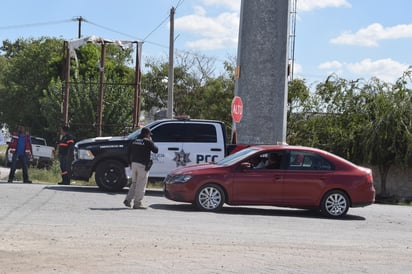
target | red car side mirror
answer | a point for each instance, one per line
(245, 165)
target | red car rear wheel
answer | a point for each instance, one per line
(335, 204)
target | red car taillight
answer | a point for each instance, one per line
(369, 179)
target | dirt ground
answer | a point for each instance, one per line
(71, 229)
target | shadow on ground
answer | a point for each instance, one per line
(93, 189)
(242, 210)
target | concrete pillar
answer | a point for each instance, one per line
(262, 71)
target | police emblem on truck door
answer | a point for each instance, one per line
(181, 158)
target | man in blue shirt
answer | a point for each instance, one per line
(21, 149)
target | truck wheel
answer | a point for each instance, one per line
(110, 175)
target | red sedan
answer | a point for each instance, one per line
(287, 176)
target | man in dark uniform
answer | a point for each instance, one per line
(140, 161)
(65, 150)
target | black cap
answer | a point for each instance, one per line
(65, 128)
(145, 131)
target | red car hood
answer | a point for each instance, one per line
(193, 168)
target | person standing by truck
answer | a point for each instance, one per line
(65, 150)
(21, 149)
(140, 161)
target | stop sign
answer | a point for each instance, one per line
(237, 109)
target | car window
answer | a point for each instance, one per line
(185, 133)
(37, 141)
(267, 160)
(237, 157)
(303, 160)
(200, 133)
(172, 132)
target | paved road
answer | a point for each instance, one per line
(72, 229)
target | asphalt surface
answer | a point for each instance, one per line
(72, 229)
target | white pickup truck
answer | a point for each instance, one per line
(42, 154)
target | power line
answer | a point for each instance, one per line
(179, 4)
(164, 20)
(112, 30)
(156, 28)
(35, 24)
(125, 34)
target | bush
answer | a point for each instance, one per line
(3, 149)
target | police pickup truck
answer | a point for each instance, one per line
(181, 142)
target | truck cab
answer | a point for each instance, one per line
(181, 142)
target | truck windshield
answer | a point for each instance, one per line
(237, 157)
(136, 133)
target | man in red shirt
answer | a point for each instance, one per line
(21, 149)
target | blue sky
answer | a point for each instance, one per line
(352, 38)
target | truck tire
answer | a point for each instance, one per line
(110, 175)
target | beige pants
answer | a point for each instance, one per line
(139, 182)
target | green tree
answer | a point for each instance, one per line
(31, 64)
(31, 87)
(196, 89)
(387, 136)
(84, 93)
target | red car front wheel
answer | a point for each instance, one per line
(210, 197)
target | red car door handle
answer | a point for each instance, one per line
(276, 179)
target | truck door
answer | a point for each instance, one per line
(203, 143)
(168, 137)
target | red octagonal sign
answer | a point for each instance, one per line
(237, 109)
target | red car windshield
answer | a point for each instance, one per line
(237, 157)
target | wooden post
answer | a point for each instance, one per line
(66, 94)
(137, 89)
(171, 75)
(101, 91)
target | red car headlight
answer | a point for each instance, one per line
(179, 179)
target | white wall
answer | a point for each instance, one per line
(398, 182)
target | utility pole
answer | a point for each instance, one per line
(292, 39)
(264, 72)
(80, 20)
(171, 66)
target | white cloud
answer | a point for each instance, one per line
(308, 5)
(387, 69)
(234, 5)
(372, 34)
(297, 68)
(331, 65)
(216, 32)
(222, 30)
(199, 10)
